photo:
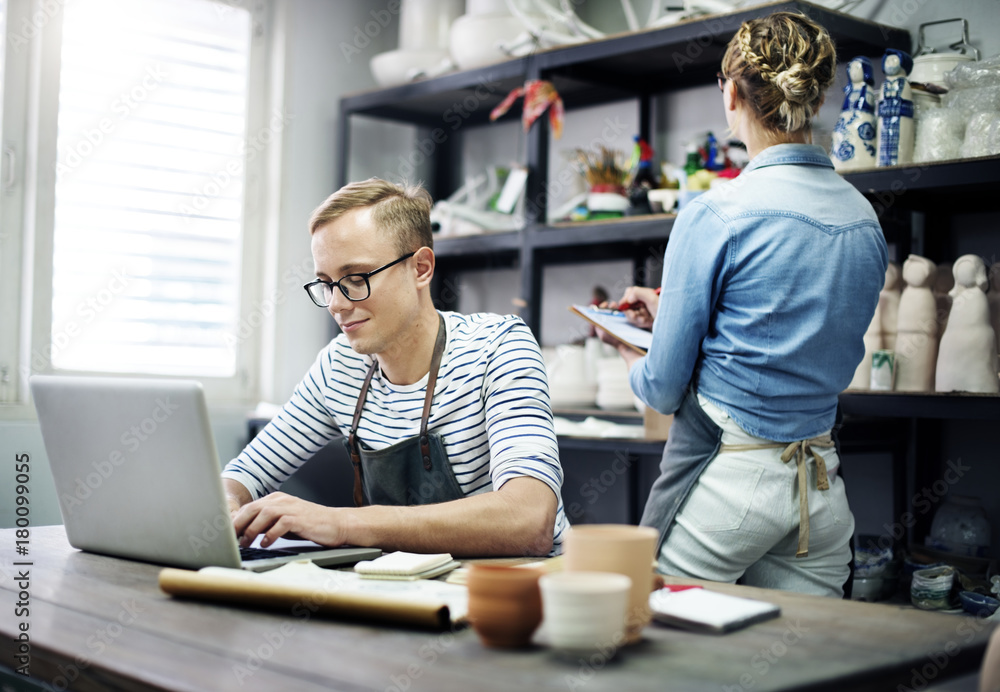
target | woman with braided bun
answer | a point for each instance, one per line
(769, 283)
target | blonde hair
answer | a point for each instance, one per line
(782, 65)
(402, 211)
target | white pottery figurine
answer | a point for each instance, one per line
(854, 141)
(888, 306)
(967, 361)
(873, 342)
(994, 298)
(895, 110)
(917, 328)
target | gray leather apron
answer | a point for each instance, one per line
(415, 471)
(694, 440)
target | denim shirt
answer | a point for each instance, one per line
(769, 284)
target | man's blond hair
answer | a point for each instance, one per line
(401, 211)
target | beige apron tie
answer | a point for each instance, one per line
(799, 450)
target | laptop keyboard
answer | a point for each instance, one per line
(265, 553)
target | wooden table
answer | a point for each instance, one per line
(99, 623)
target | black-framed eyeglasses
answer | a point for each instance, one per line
(722, 80)
(355, 287)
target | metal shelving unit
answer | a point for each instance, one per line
(641, 65)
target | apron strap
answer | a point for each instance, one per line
(799, 451)
(425, 445)
(352, 439)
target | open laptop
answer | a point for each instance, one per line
(137, 474)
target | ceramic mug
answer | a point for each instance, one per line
(622, 549)
(505, 605)
(585, 611)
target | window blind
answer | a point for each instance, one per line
(150, 186)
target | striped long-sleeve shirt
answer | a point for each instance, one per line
(491, 408)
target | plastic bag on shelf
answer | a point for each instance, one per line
(940, 135)
(982, 135)
(981, 73)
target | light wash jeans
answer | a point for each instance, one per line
(741, 520)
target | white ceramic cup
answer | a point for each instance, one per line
(584, 612)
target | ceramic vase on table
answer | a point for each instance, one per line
(917, 328)
(895, 110)
(854, 136)
(967, 360)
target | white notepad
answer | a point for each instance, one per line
(708, 611)
(406, 566)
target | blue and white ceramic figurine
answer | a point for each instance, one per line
(895, 110)
(854, 134)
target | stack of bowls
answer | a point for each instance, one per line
(569, 385)
(613, 389)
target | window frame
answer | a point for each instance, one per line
(30, 114)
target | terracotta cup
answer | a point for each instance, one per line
(622, 549)
(505, 605)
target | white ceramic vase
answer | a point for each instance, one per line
(855, 134)
(895, 111)
(967, 361)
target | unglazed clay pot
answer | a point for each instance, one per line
(505, 605)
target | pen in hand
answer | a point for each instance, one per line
(633, 305)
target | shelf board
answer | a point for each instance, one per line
(629, 230)
(932, 179)
(608, 444)
(448, 102)
(475, 245)
(608, 69)
(689, 52)
(957, 405)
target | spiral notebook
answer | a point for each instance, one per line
(406, 566)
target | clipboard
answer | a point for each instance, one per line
(617, 325)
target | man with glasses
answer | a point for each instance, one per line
(446, 417)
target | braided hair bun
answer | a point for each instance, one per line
(782, 65)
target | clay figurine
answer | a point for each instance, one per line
(994, 298)
(873, 342)
(854, 135)
(888, 306)
(967, 361)
(917, 328)
(895, 110)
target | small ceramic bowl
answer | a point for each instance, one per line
(866, 588)
(978, 604)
